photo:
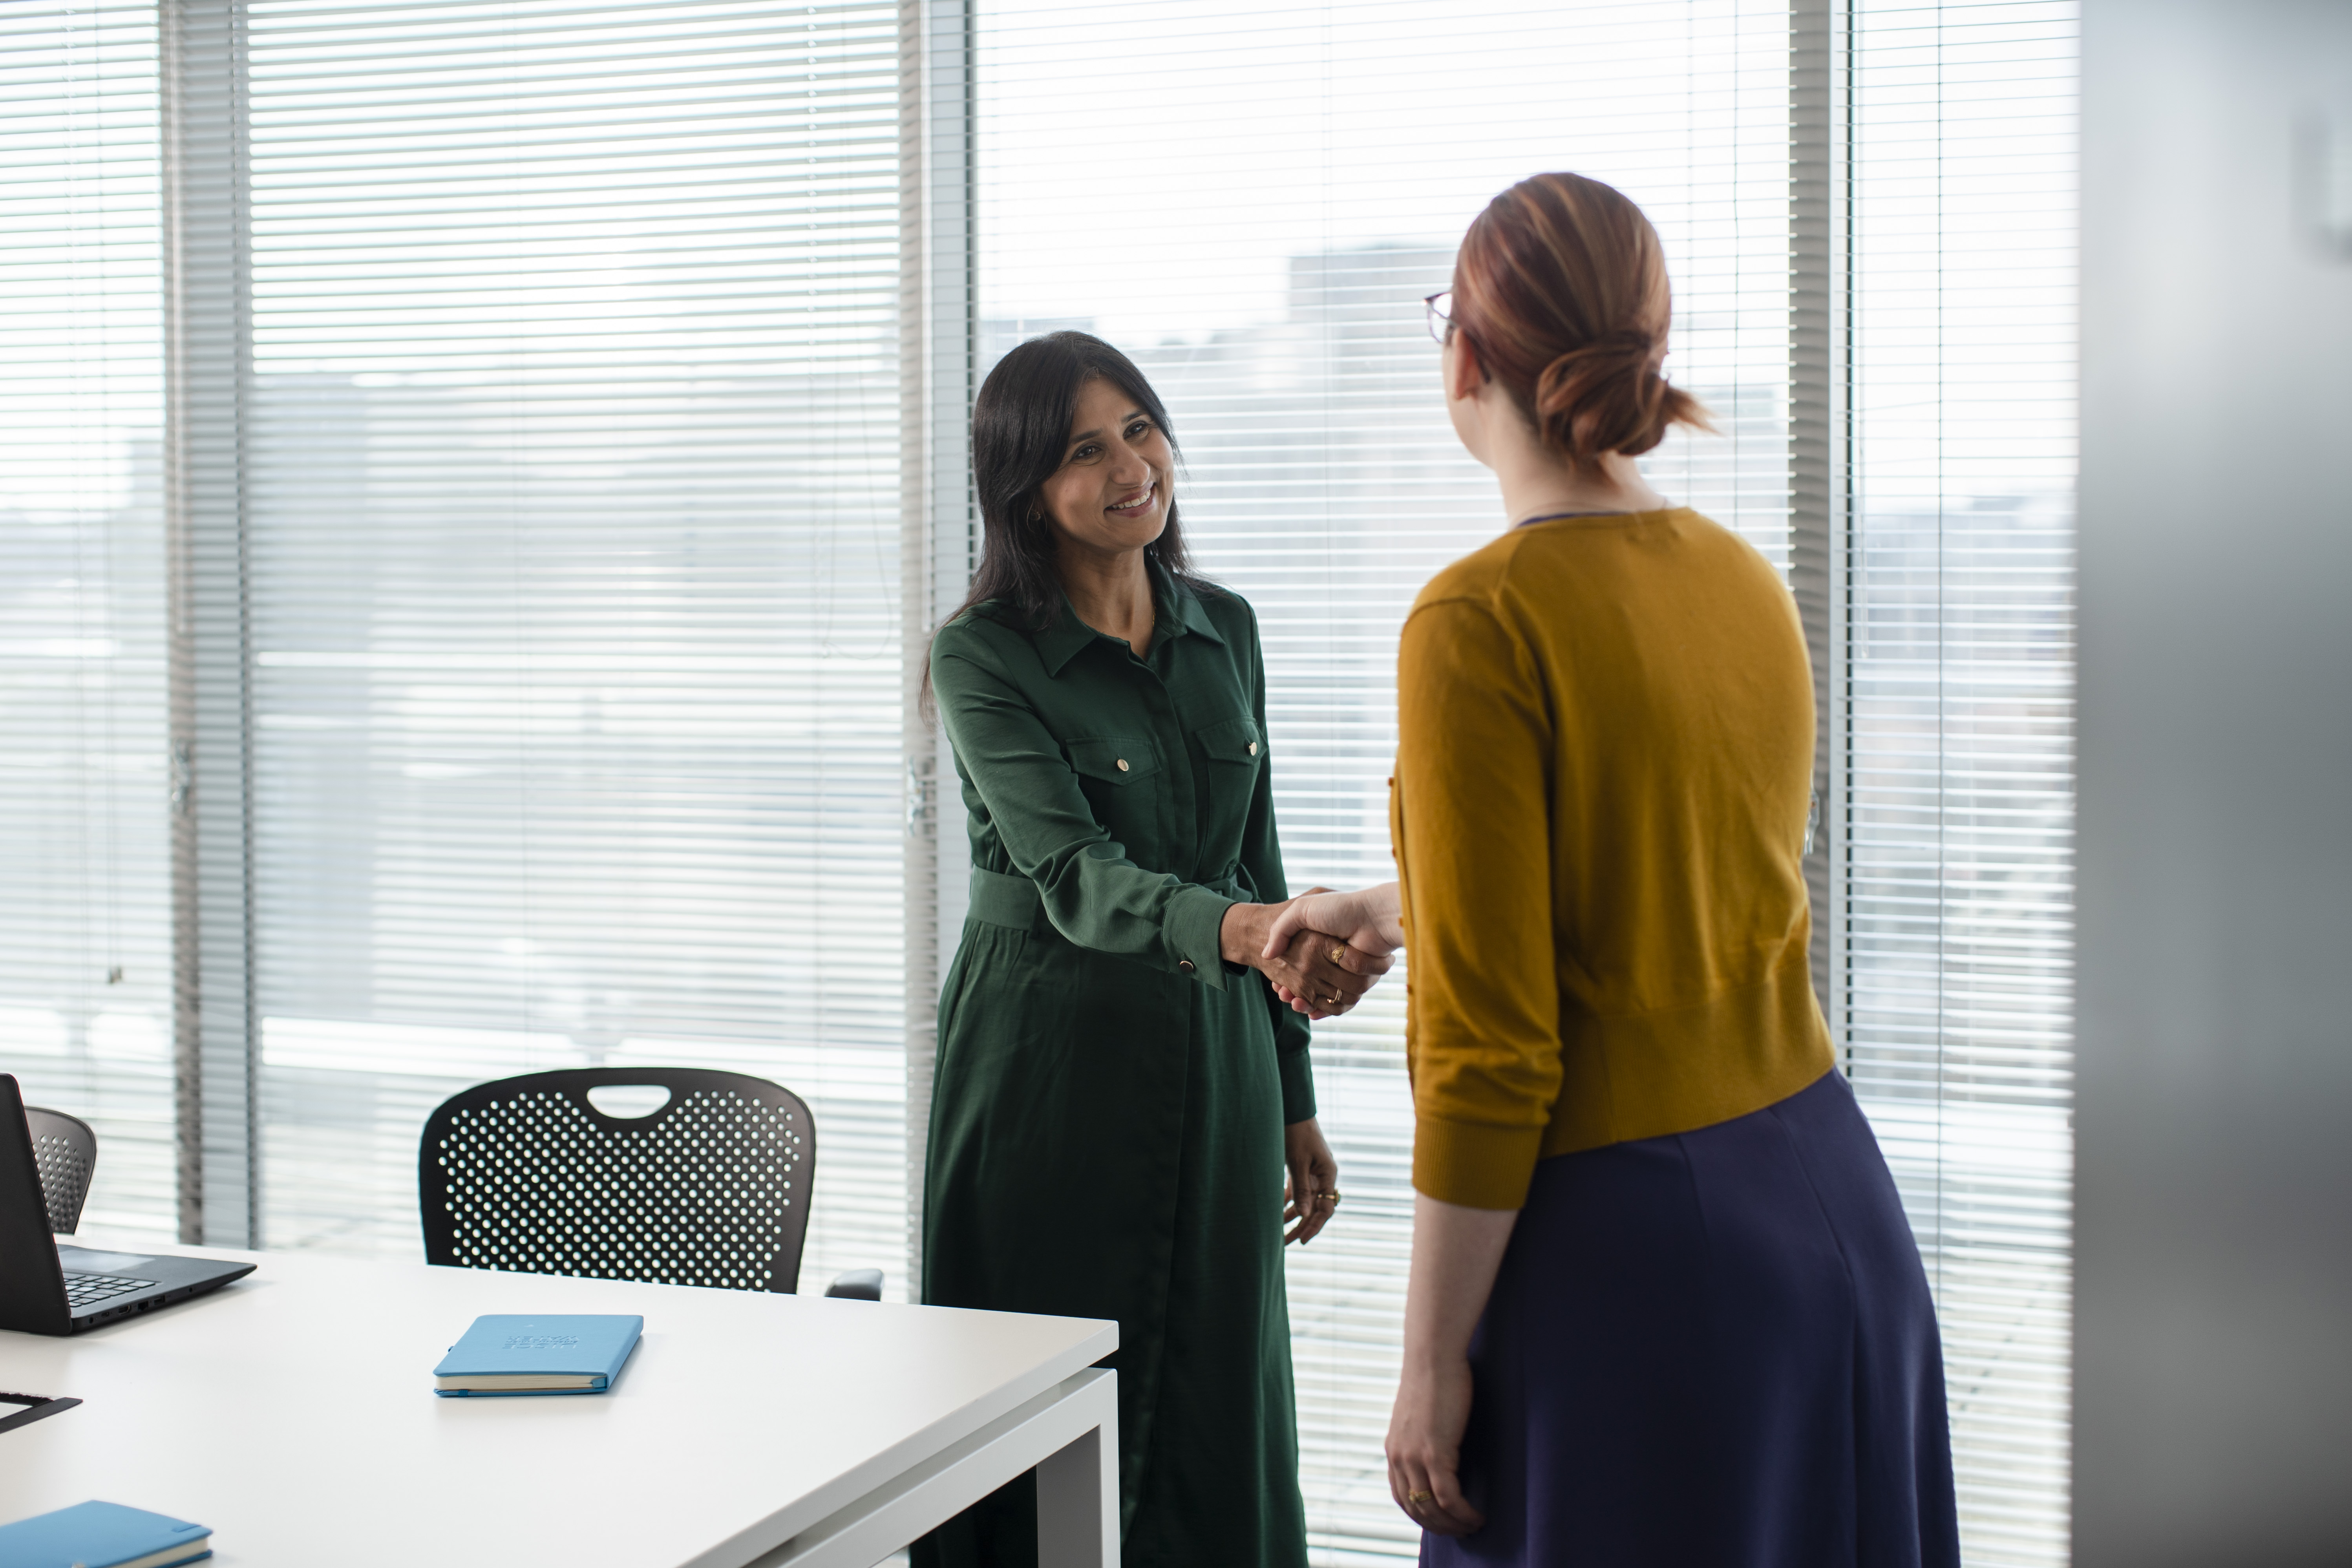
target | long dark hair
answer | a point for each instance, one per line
(1020, 428)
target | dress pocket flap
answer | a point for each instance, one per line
(1234, 740)
(1118, 759)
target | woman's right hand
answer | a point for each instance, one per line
(1304, 965)
(1368, 919)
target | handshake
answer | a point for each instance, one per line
(1321, 950)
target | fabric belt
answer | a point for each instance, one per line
(1002, 900)
(998, 899)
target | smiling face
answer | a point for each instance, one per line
(1112, 492)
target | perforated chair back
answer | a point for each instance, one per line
(66, 1151)
(526, 1175)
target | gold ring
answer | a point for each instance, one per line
(1333, 1197)
(1333, 1000)
(1338, 954)
(1420, 1499)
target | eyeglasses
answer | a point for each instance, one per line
(1440, 306)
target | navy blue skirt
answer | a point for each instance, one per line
(1714, 1349)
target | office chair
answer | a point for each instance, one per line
(66, 1151)
(527, 1174)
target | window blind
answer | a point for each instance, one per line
(1961, 895)
(571, 442)
(572, 488)
(85, 865)
(1251, 199)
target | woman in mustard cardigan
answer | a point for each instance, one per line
(1665, 1307)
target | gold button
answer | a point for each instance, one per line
(1186, 965)
(1122, 765)
(1253, 748)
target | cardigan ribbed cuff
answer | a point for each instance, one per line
(1473, 1163)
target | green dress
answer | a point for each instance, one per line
(1107, 1117)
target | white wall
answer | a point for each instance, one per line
(2213, 1335)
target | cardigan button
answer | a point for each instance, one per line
(1186, 965)
(1122, 765)
(1253, 748)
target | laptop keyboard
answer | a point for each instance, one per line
(89, 1289)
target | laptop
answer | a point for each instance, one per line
(50, 1287)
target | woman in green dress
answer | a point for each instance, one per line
(1123, 1115)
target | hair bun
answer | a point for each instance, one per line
(1561, 286)
(1604, 395)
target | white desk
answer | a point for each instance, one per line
(294, 1413)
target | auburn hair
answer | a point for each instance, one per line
(1561, 287)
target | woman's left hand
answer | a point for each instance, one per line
(1424, 1447)
(1311, 1188)
(1457, 1251)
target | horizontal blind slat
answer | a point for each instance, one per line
(1959, 913)
(574, 468)
(84, 903)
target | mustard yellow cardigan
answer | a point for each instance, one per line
(1603, 770)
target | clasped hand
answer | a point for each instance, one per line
(1318, 972)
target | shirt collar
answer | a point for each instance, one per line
(1059, 643)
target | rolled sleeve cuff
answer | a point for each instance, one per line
(1191, 928)
(1298, 1085)
(1473, 1163)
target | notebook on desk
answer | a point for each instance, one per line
(48, 1287)
(103, 1535)
(504, 1354)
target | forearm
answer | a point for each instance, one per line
(1384, 913)
(1456, 1252)
(1242, 936)
(1104, 902)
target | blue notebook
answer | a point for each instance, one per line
(103, 1535)
(503, 1355)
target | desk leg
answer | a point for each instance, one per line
(1074, 1426)
(1078, 1494)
